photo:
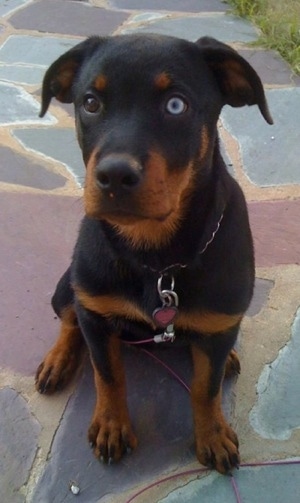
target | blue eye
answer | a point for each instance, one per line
(176, 105)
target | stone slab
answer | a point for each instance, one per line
(38, 233)
(269, 484)
(212, 488)
(164, 430)
(271, 67)
(73, 18)
(261, 293)
(7, 7)
(19, 441)
(276, 232)
(276, 413)
(21, 74)
(161, 414)
(19, 107)
(20, 170)
(57, 144)
(171, 5)
(33, 50)
(270, 154)
(223, 27)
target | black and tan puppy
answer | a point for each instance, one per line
(165, 246)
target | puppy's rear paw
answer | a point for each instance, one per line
(233, 366)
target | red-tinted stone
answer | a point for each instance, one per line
(37, 237)
(72, 18)
(276, 230)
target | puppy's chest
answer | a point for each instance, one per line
(163, 300)
(147, 298)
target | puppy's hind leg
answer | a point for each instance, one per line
(62, 361)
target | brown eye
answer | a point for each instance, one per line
(92, 104)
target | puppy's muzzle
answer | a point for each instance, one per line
(118, 175)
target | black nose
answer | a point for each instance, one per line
(118, 174)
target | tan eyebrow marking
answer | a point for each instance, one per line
(100, 83)
(162, 81)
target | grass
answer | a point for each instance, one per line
(279, 22)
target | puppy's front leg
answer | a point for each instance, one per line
(110, 433)
(216, 442)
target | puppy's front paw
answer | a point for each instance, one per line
(217, 447)
(111, 436)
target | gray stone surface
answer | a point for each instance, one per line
(164, 430)
(212, 488)
(269, 484)
(223, 27)
(277, 411)
(57, 144)
(72, 17)
(270, 154)
(34, 50)
(19, 441)
(19, 107)
(171, 5)
(21, 74)
(262, 289)
(20, 170)
(9, 6)
(161, 414)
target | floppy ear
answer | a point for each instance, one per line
(60, 75)
(238, 82)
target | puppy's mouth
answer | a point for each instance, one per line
(127, 217)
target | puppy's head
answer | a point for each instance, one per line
(146, 110)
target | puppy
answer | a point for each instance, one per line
(164, 249)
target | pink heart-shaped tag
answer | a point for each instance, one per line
(164, 316)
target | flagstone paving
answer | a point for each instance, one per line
(278, 144)
(227, 28)
(43, 440)
(73, 18)
(57, 144)
(19, 107)
(19, 432)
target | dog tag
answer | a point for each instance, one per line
(164, 316)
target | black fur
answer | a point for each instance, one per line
(125, 116)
